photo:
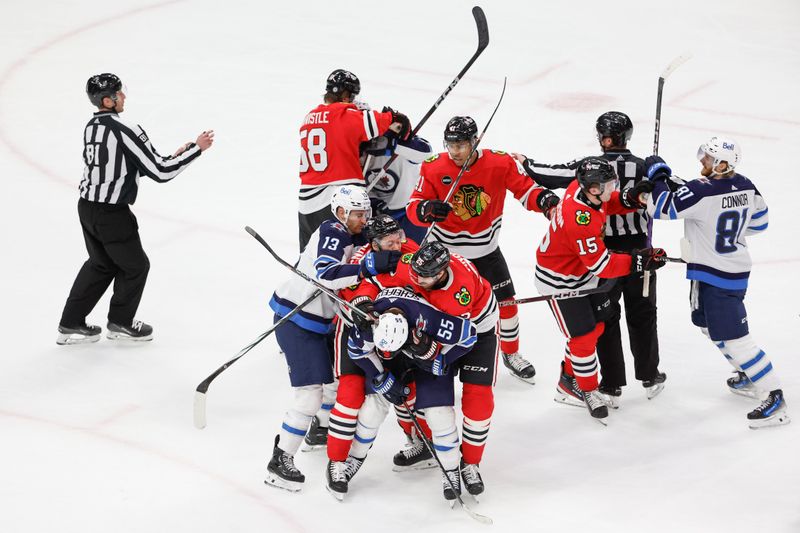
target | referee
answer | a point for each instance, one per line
(116, 154)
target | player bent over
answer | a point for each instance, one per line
(720, 210)
(306, 338)
(412, 340)
(572, 256)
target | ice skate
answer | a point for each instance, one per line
(337, 479)
(352, 466)
(281, 472)
(415, 456)
(137, 331)
(652, 387)
(473, 482)
(771, 412)
(317, 436)
(597, 408)
(78, 335)
(610, 396)
(519, 367)
(742, 385)
(451, 481)
(567, 391)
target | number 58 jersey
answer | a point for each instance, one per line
(572, 254)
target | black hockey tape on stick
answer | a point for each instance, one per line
(483, 42)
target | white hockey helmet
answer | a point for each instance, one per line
(350, 198)
(721, 149)
(391, 332)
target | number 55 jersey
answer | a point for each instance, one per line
(719, 214)
(572, 254)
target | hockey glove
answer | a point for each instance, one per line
(393, 390)
(657, 168)
(422, 346)
(632, 199)
(429, 211)
(375, 263)
(400, 118)
(647, 259)
(367, 306)
(546, 201)
(382, 145)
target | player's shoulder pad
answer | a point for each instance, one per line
(432, 158)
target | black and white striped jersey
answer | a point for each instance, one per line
(116, 153)
(630, 170)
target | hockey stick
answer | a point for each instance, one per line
(483, 42)
(465, 166)
(202, 388)
(678, 61)
(559, 295)
(479, 517)
(303, 275)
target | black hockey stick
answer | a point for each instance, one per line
(479, 517)
(678, 61)
(309, 279)
(605, 287)
(465, 166)
(202, 388)
(483, 42)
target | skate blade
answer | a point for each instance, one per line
(338, 495)
(601, 421)
(280, 483)
(75, 338)
(566, 399)
(475, 498)
(653, 391)
(114, 336)
(530, 381)
(423, 465)
(612, 402)
(755, 395)
(312, 447)
(779, 419)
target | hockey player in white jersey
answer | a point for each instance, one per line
(719, 210)
(306, 339)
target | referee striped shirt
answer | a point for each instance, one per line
(116, 153)
(630, 170)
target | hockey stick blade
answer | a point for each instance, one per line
(483, 28)
(678, 61)
(199, 409)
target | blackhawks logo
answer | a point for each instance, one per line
(583, 218)
(463, 296)
(406, 258)
(432, 158)
(470, 201)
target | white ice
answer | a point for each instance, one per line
(99, 438)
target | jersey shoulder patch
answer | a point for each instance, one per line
(406, 258)
(583, 218)
(463, 296)
(432, 158)
(499, 152)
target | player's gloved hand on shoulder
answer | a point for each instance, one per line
(375, 263)
(400, 118)
(435, 366)
(382, 145)
(430, 211)
(390, 387)
(647, 259)
(367, 306)
(632, 196)
(546, 201)
(421, 345)
(656, 168)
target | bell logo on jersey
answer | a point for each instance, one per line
(583, 218)
(470, 201)
(463, 296)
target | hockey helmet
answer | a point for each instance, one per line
(343, 80)
(429, 260)
(350, 198)
(103, 85)
(380, 226)
(721, 149)
(460, 129)
(594, 170)
(390, 333)
(616, 125)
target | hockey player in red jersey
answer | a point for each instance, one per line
(469, 224)
(452, 285)
(572, 256)
(329, 146)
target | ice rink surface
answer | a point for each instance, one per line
(99, 438)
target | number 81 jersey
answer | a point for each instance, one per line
(572, 254)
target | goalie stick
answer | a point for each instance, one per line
(483, 42)
(479, 517)
(202, 388)
(678, 61)
(465, 166)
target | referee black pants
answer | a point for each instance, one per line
(115, 251)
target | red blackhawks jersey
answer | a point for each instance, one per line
(329, 141)
(466, 293)
(572, 254)
(472, 229)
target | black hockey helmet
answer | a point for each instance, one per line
(616, 125)
(101, 85)
(431, 259)
(460, 129)
(380, 226)
(343, 80)
(594, 170)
